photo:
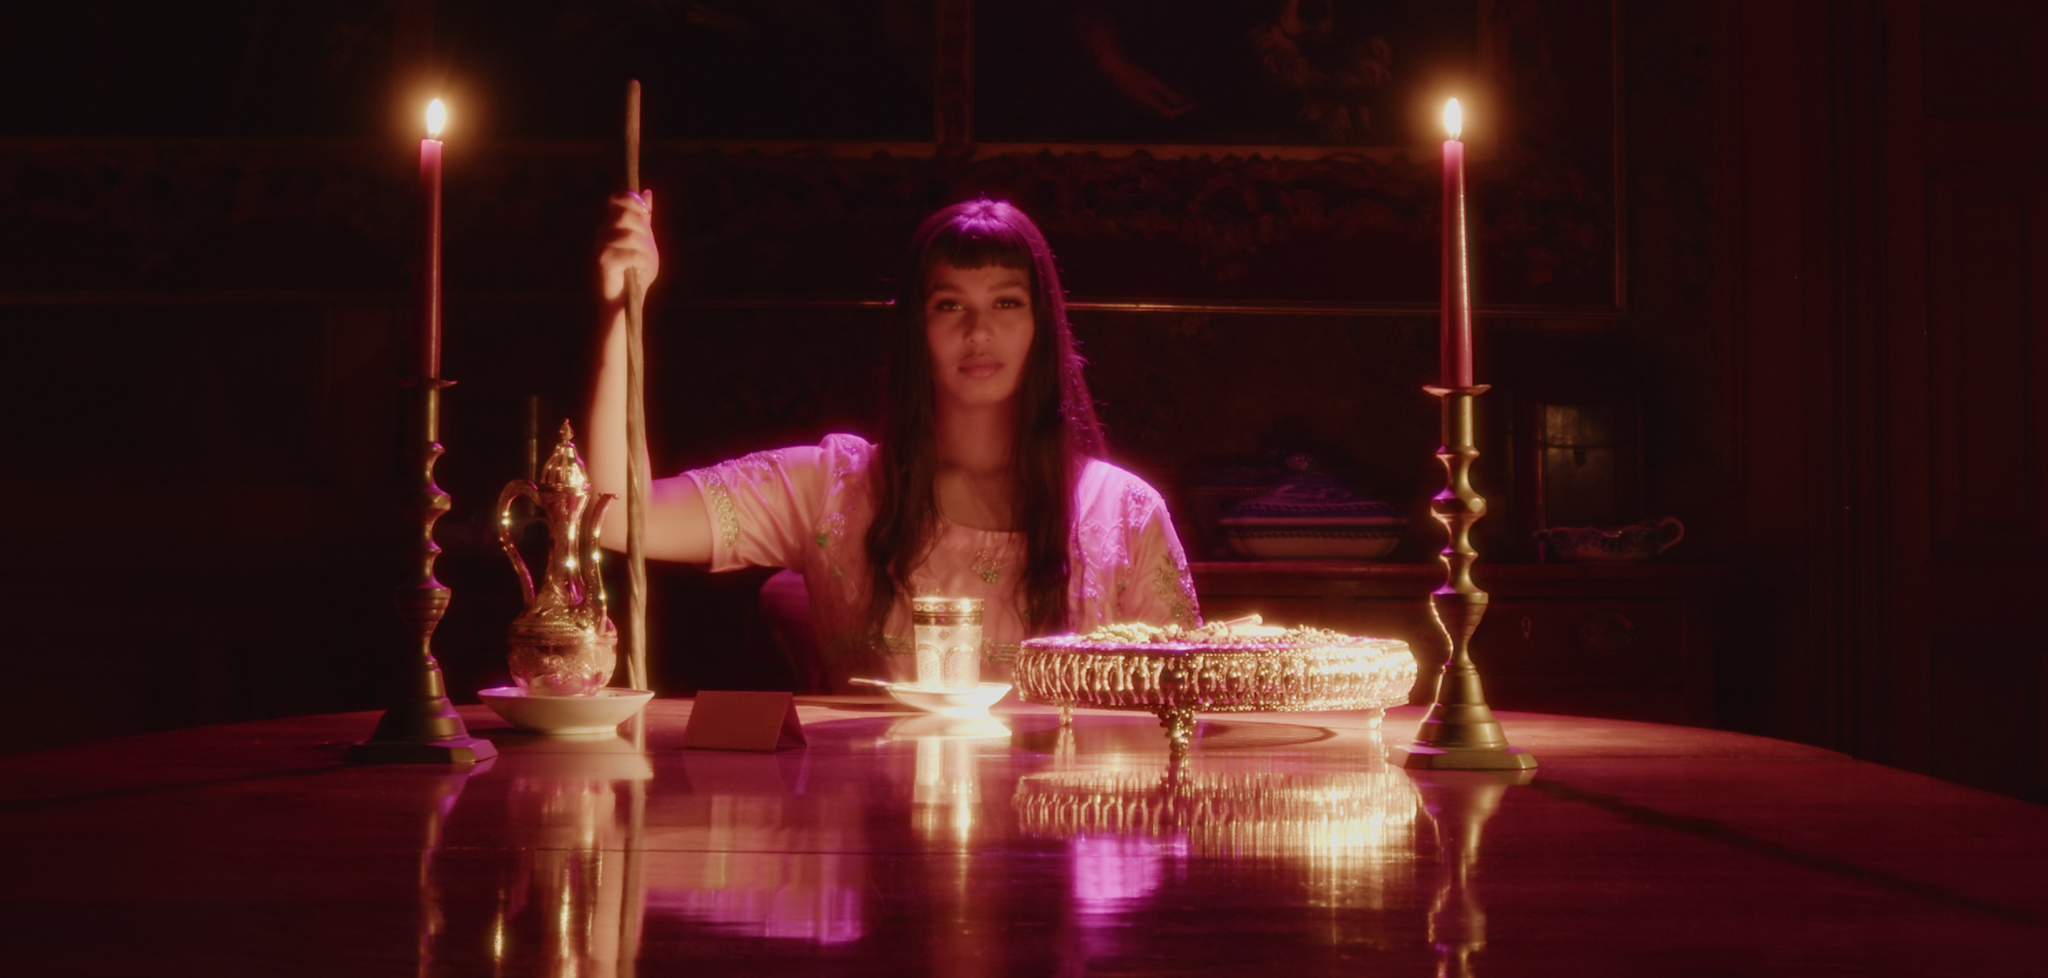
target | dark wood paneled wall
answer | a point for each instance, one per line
(1880, 232)
(1836, 290)
(1982, 138)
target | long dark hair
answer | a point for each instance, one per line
(1056, 428)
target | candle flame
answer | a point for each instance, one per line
(437, 117)
(1454, 118)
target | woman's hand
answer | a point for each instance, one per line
(678, 526)
(629, 244)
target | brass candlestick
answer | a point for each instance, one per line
(1459, 733)
(422, 727)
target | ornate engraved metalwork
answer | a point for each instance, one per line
(564, 643)
(1175, 673)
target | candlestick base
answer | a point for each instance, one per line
(462, 750)
(1416, 757)
(1461, 736)
(1460, 732)
(422, 727)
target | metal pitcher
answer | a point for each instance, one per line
(563, 644)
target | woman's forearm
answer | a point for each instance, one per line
(678, 525)
(604, 434)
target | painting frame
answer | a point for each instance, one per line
(1288, 202)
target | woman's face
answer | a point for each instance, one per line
(978, 326)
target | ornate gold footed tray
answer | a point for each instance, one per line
(1238, 666)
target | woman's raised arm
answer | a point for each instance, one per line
(678, 526)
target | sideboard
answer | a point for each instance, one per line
(1630, 641)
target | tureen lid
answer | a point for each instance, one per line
(1306, 493)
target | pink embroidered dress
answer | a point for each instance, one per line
(808, 509)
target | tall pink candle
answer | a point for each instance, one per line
(430, 243)
(1456, 365)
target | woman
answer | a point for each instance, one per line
(988, 483)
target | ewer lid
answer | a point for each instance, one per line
(564, 470)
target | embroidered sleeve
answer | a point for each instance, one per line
(765, 508)
(1160, 591)
(725, 520)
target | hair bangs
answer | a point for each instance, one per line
(979, 240)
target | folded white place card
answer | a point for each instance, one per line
(735, 720)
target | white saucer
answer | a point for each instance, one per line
(934, 726)
(971, 702)
(566, 715)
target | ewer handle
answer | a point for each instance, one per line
(593, 574)
(513, 491)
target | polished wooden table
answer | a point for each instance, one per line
(901, 844)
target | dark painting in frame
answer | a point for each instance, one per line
(1283, 202)
(1225, 73)
(1286, 151)
(850, 70)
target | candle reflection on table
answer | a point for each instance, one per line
(578, 865)
(437, 796)
(567, 900)
(1459, 803)
(734, 842)
(722, 876)
(946, 798)
(751, 852)
(946, 783)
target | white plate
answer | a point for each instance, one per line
(566, 715)
(972, 702)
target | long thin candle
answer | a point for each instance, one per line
(1456, 365)
(430, 244)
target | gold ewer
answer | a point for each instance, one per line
(563, 644)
